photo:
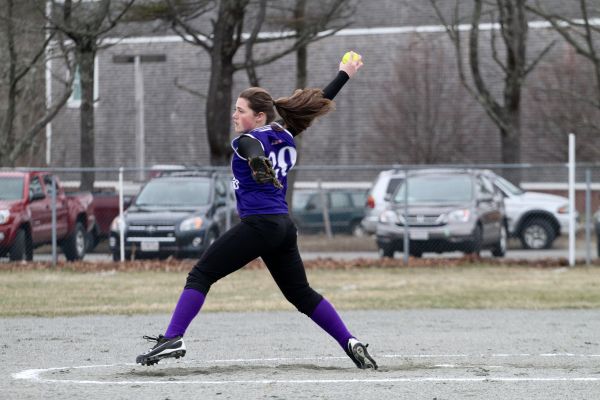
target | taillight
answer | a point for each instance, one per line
(370, 202)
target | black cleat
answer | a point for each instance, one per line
(164, 348)
(359, 354)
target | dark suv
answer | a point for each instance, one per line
(179, 214)
(345, 209)
(447, 210)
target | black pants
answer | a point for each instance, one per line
(271, 237)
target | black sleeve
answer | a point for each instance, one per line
(249, 147)
(336, 85)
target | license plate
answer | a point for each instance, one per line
(419, 235)
(149, 246)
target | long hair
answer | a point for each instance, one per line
(298, 111)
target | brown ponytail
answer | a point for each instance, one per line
(297, 111)
(300, 109)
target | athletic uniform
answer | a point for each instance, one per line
(267, 231)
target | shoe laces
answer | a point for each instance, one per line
(158, 339)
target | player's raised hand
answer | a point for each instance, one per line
(351, 63)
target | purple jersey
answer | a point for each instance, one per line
(256, 198)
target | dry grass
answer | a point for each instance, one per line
(52, 293)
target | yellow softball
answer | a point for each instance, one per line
(346, 57)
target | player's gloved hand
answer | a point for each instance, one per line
(262, 171)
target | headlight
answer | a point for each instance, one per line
(563, 210)
(388, 217)
(4, 215)
(191, 224)
(459, 215)
(115, 225)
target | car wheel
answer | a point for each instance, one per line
(386, 252)
(474, 247)
(74, 246)
(537, 234)
(357, 229)
(499, 249)
(22, 249)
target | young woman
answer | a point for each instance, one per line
(264, 153)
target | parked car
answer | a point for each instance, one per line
(537, 219)
(379, 195)
(26, 216)
(179, 214)
(448, 210)
(345, 207)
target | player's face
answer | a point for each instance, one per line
(244, 119)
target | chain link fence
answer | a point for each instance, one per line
(519, 211)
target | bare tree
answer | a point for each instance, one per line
(578, 84)
(563, 101)
(226, 37)
(419, 115)
(23, 111)
(511, 62)
(85, 24)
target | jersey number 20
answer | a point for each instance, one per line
(283, 160)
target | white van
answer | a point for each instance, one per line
(382, 189)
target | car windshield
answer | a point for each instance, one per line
(11, 188)
(446, 189)
(174, 193)
(507, 186)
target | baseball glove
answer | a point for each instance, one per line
(262, 171)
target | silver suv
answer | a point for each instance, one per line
(448, 210)
(535, 218)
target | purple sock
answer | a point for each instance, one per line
(328, 319)
(189, 304)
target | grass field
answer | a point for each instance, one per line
(53, 293)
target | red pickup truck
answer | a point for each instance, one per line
(26, 216)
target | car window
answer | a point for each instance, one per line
(179, 192)
(393, 185)
(339, 200)
(220, 189)
(300, 200)
(359, 199)
(485, 187)
(445, 189)
(11, 188)
(35, 187)
(48, 184)
(507, 186)
(314, 202)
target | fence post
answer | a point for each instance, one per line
(571, 199)
(54, 237)
(326, 220)
(121, 221)
(228, 203)
(588, 216)
(406, 237)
